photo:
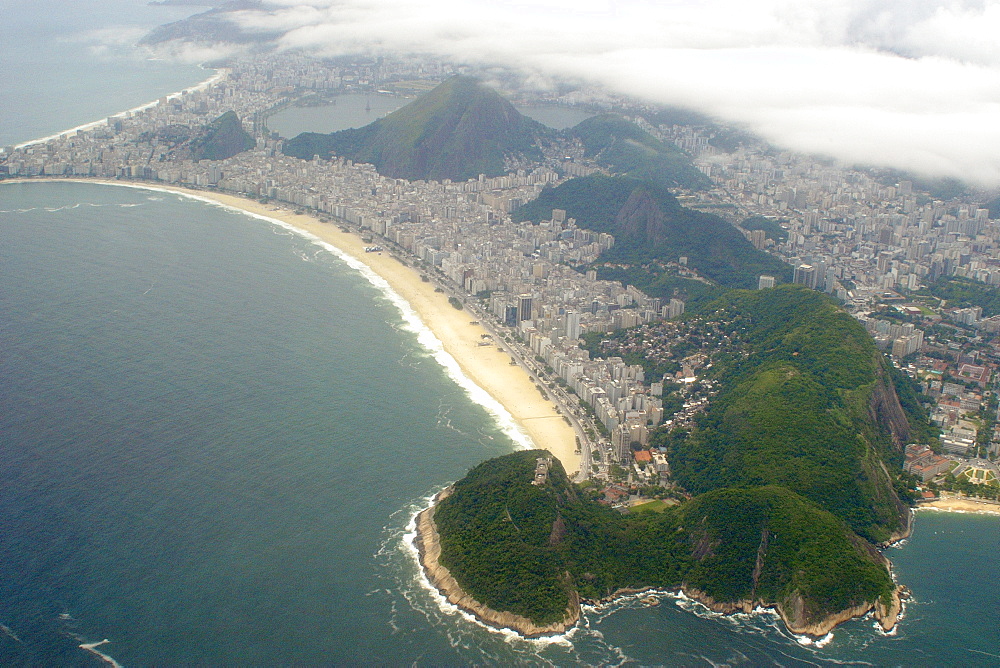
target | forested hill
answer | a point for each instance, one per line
(624, 148)
(223, 138)
(806, 402)
(524, 548)
(457, 131)
(649, 224)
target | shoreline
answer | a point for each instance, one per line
(506, 391)
(960, 504)
(220, 74)
(428, 550)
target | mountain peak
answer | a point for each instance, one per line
(458, 130)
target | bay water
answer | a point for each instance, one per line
(214, 435)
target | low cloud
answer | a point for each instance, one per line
(912, 84)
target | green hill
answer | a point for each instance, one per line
(457, 131)
(222, 138)
(808, 403)
(525, 548)
(650, 225)
(626, 149)
(960, 292)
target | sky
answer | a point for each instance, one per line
(911, 84)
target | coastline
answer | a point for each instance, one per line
(427, 543)
(428, 551)
(791, 611)
(957, 504)
(219, 75)
(486, 367)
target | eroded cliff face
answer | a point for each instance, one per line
(794, 615)
(429, 546)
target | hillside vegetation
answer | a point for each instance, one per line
(650, 226)
(961, 292)
(808, 404)
(624, 148)
(457, 131)
(221, 139)
(523, 548)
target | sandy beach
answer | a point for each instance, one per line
(487, 366)
(962, 505)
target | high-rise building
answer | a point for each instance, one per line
(572, 325)
(805, 274)
(524, 308)
(764, 282)
(675, 308)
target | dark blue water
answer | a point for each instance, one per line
(206, 426)
(214, 434)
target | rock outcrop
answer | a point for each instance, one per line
(792, 612)
(886, 411)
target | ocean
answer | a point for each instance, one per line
(215, 434)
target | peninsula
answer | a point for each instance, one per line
(519, 549)
(769, 423)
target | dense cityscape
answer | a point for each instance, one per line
(872, 242)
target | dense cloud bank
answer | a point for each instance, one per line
(912, 84)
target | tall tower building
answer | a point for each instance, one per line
(806, 275)
(572, 325)
(524, 308)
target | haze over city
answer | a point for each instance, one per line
(909, 85)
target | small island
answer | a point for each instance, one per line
(522, 555)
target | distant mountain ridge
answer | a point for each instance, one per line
(457, 131)
(213, 26)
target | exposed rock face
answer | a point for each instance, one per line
(887, 616)
(429, 547)
(792, 612)
(886, 411)
(642, 217)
